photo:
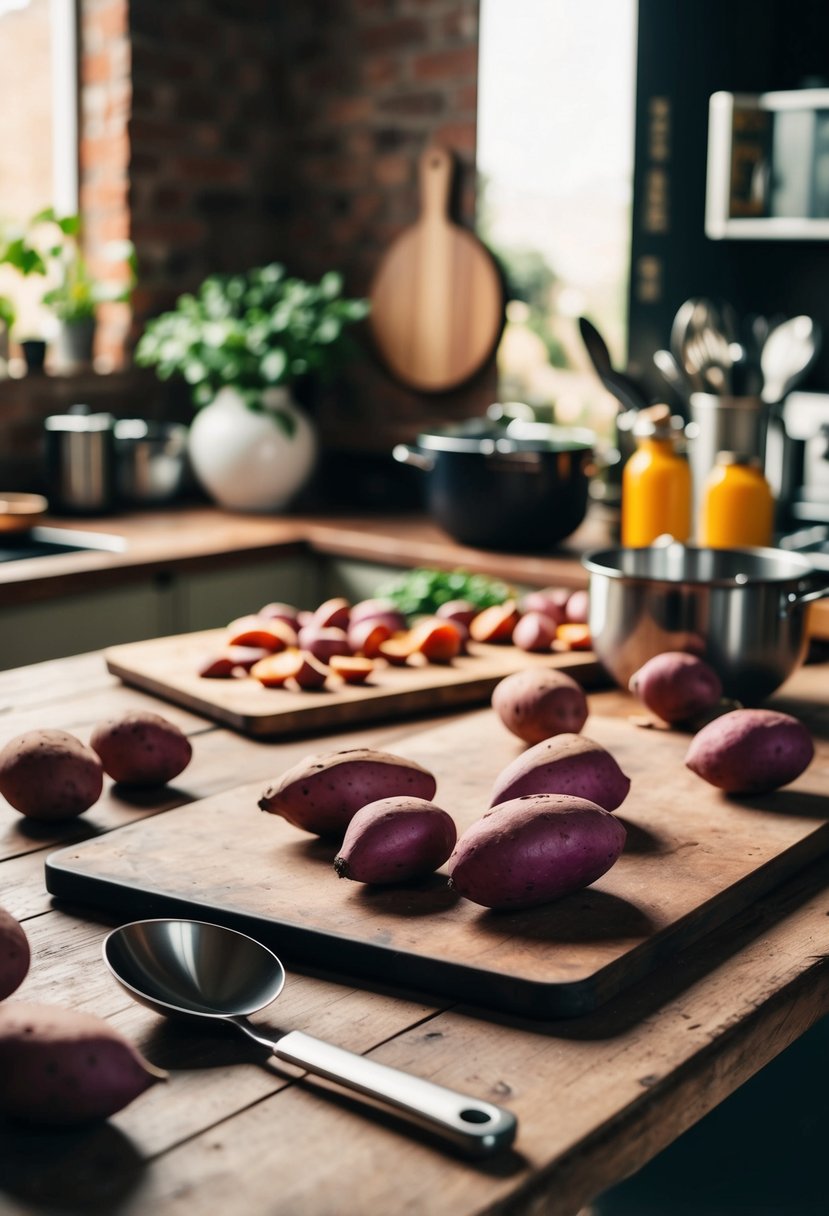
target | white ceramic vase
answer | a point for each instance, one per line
(243, 457)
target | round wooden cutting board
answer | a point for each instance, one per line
(437, 303)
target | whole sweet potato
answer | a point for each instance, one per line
(534, 632)
(322, 793)
(61, 1066)
(751, 751)
(50, 775)
(14, 954)
(676, 686)
(538, 703)
(565, 764)
(534, 849)
(551, 601)
(395, 839)
(141, 748)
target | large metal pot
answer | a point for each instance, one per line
(499, 490)
(743, 610)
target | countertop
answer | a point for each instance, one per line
(596, 1097)
(200, 537)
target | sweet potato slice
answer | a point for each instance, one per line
(438, 641)
(495, 624)
(352, 668)
(273, 635)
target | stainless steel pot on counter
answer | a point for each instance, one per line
(496, 489)
(743, 610)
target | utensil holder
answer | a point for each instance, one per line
(723, 424)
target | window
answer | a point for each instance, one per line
(38, 127)
(555, 155)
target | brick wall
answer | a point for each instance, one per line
(222, 134)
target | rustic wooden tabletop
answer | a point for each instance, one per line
(596, 1096)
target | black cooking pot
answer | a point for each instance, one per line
(519, 487)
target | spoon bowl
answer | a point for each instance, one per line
(193, 968)
(200, 970)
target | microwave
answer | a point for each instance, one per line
(768, 166)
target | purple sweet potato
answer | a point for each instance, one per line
(61, 1066)
(676, 686)
(141, 748)
(14, 954)
(565, 764)
(458, 610)
(395, 839)
(534, 632)
(50, 775)
(540, 702)
(324, 641)
(751, 751)
(551, 601)
(534, 849)
(323, 793)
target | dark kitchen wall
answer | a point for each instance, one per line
(689, 49)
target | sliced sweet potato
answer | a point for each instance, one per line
(217, 667)
(398, 649)
(274, 670)
(352, 668)
(273, 635)
(333, 614)
(574, 636)
(438, 641)
(366, 636)
(495, 624)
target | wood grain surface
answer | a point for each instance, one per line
(596, 1097)
(693, 858)
(437, 303)
(168, 667)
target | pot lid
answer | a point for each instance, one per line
(484, 436)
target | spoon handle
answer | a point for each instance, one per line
(476, 1128)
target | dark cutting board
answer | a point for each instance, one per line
(693, 858)
(168, 667)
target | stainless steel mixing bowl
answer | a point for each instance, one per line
(743, 610)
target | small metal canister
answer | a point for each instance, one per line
(80, 462)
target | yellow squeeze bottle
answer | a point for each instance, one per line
(738, 505)
(656, 483)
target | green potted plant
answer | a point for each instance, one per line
(243, 342)
(50, 246)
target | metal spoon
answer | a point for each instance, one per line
(206, 971)
(788, 352)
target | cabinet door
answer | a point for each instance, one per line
(70, 625)
(212, 598)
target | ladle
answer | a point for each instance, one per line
(207, 971)
(788, 352)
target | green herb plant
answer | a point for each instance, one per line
(50, 246)
(421, 592)
(252, 332)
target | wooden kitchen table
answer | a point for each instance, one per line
(596, 1096)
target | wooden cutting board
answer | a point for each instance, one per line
(437, 302)
(168, 668)
(693, 858)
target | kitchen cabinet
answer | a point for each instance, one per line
(209, 599)
(73, 624)
(163, 604)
